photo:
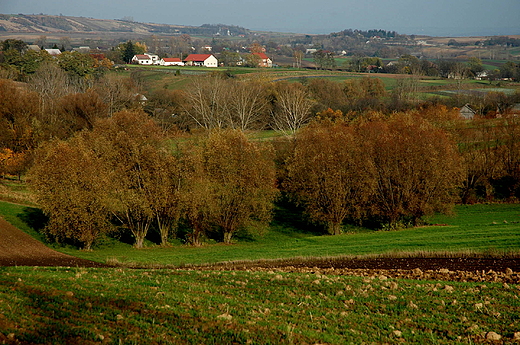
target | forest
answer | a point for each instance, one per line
(187, 163)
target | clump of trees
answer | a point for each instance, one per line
(393, 170)
(125, 173)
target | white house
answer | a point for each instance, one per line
(171, 62)
(146, 59)
(53, 52)
(467, 113)
(206, 60)
(142, 59)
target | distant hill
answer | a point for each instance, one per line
(47, 24)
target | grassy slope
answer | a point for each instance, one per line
(478, 228)
(124, 306)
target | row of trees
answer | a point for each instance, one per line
(123, 173)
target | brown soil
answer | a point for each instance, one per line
(19, 249)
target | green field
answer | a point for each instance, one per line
(181, 306)
(160, 77)
(124, 306)
(491, 228)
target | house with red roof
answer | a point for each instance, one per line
(264, 61)
(171, 62)
(206, 60)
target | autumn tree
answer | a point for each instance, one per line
(328, 94)
(196, 193)
(70, 184)
(364, 93)
(79, 111)
(167, 108)
(509, 153)
(18, 111)
(417, 168)
(481, 148)
(329, 174)
(165, 189)
(241, 178)
(129, 143)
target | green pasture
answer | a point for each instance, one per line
(124, 306)
(161, 77)
(493, 228)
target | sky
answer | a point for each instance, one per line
(420, 17)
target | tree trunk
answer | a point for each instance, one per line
(227, 237)
(334, 228)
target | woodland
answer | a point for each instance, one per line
(189, 163)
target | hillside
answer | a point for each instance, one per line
(47, 24)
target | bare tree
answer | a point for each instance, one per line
(248, 105)
(117, 92)
(292, 107)
(208, 104)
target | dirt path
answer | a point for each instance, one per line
(19, 249)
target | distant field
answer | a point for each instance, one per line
(160, 77)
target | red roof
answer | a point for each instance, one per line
(197, 57)
(261, 55)
(172, 59)
(145, 57)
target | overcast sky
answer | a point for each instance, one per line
(432, 17)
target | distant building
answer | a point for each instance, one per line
(265, 61)
(206, 60)
(83, 49)
(146, 59)
(171, 62)
(142, 59)
(467, 113)
(53, 52)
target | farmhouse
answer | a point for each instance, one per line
(145, 59)
(171, 62)
(265, 61)
(467, 113)
(206, 60)
(53, 52)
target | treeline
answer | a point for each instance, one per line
(381, 171)
(123, 174)
(101, 160)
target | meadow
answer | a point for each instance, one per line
(173, 304)
(125, 306)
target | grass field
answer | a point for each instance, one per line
(160, 77)
(123, 306)
(478, 228)
(168, 306)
